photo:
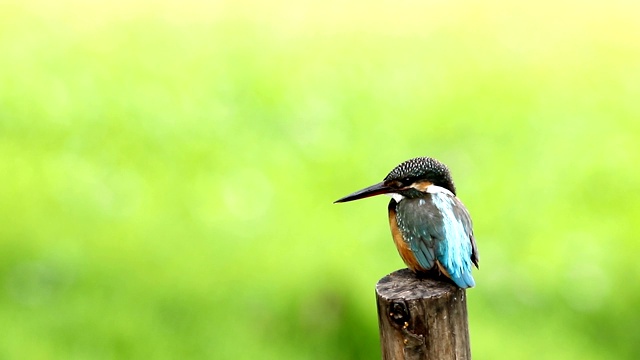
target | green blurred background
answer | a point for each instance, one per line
(168, 171)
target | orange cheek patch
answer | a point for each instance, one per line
(421, 185)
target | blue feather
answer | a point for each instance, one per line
(454, 252)
(437, 227)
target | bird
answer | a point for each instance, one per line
(430, 226)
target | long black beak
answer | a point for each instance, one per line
(372, 190)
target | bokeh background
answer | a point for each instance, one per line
(168, 171)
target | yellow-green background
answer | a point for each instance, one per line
(168, 171)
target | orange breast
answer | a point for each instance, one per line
(403, 247)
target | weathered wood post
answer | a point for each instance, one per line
(421, 318)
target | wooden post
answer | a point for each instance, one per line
(421, 318)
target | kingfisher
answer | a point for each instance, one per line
(430, 226)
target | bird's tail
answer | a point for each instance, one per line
(462, 278)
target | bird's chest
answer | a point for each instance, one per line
(409, 220)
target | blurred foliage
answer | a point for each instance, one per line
(169, 170)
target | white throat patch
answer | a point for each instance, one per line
(438, 190)
(396, 197)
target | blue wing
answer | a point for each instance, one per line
(439, 231)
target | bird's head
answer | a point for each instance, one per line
(408, 180)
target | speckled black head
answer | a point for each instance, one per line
(421, 169)
(410, 179)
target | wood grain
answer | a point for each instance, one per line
(421, 318)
